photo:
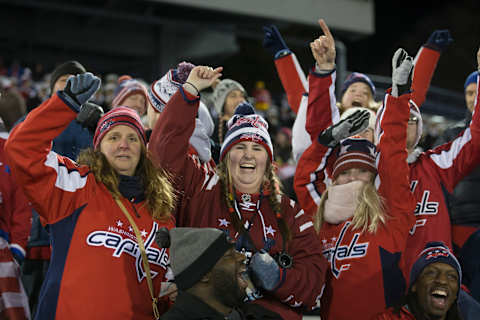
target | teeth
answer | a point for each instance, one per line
(440, 292)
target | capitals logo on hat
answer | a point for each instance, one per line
(434, 251)
(246, 125)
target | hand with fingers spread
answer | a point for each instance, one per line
(201, 77)
(323, 48)
(355, 123)
(402, 69)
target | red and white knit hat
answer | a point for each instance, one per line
(354, 153)
(119, 116)
(127, 87)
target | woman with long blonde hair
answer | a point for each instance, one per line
(102, 212)
(366, 208)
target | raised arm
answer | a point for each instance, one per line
(54, 184)
(426, 62)
(322, 110)
(291, 75)
(393, 180)
(169, 142)
(457, 158)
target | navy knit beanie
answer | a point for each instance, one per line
(434, 252)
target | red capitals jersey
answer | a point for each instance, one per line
(96, 269)
(365, 270)
(434, 172)
(302, 284)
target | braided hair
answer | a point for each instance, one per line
(271, 183)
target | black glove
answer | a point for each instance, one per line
(273, 40)
(439, 40)
(264, 271)
(350, 126)
(89, 115)
(402, 66)
(79, 89)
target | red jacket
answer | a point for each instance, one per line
(205, 207)
(365, 272)
(389, 314)
(96, 270)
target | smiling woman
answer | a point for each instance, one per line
(243, 199)
(82, 204)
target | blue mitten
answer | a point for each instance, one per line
(273, 40)
(439, 40)
(79, 89)
(264, 270)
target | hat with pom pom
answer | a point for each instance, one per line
(246, 125)
(193, 252)
(127, 87)
(163, 89)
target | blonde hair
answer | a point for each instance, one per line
(372, 105)
(159, 192)
(368, 215)
(271, 182)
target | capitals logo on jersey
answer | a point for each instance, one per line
(334, 251)
(423, 208)
(114, 240)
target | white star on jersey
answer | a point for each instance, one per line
(270, 230)
(130, 229)
(119, 223)
(144, 233)
(223, 222)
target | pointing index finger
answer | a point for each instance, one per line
(325, 29)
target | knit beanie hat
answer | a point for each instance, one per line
(245, 125)
(162, 90)
(357, 77)
(434, 252)
(472, 78)
(354, 153)
(193, 252)
(69, 67)
(119, 116)
(221, 92)
(127, 87)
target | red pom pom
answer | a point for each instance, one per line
(124, 78)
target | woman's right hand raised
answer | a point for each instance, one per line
(323, 48)
(201, 77)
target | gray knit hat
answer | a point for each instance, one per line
(193, 252)
(222, 90)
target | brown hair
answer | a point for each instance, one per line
(159, 192)
(12, 107)
(271, 182)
